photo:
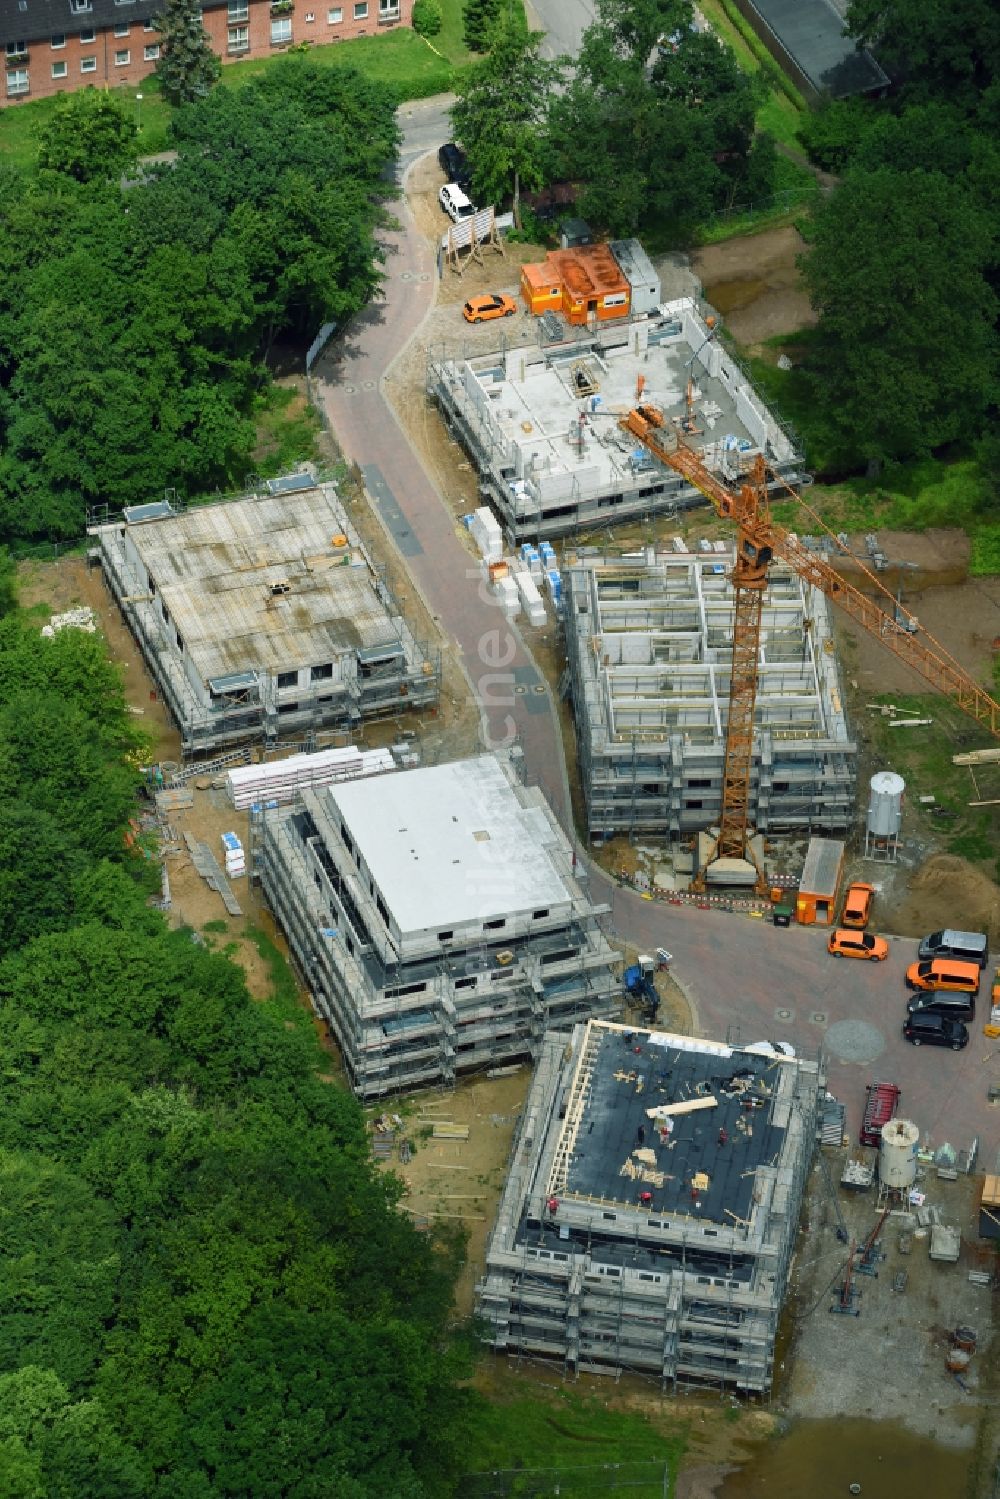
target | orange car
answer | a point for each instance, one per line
(482, 309)
(858, 904)
(844, 943)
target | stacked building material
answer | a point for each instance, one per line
(506, 591)
(532, 558)
(553, 582)
(281, 780)
(486, 533)
(236, 862)
(530, 598)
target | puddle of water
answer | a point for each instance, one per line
(733, 296)
(821, 1459)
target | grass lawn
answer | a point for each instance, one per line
(413, 68)
(923, 758)
(599, 1449)
(287, 428)
(780, 115)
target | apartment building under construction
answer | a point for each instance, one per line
(437, 919)
(651, 1207)
(264, 616)
(649, 640)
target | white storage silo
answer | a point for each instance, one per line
(885, 813)
(897, 1159)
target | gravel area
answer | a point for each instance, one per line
(889, 1361)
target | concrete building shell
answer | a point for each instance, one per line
(682, 1282)
(539, 420)
(263, 616)
(437, 919)
(649, 644)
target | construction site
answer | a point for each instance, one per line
(540, 420)
(652, 1205)
(649, 643)
(437, 919)
(263, 616)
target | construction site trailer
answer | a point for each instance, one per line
(641, 274)
(819, 887)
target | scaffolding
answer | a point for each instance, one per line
(259, 621)
(649, 646)
(686, 1296)
(539, 421)
(457, 1006)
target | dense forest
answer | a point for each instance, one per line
(135, 306)
(207, 1287)
(904, 266)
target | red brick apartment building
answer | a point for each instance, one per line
(56, 46)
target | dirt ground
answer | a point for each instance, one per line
(963, 617)
(460, 1180)
(755, 283)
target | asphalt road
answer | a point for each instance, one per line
(563, 21)
(774, 983)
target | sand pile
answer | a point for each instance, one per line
(948, 891)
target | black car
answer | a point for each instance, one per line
(924, 1028)
(453, 163)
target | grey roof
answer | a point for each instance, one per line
(37, 20)
(812, 31)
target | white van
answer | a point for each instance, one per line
(967, 947)
(454, 202)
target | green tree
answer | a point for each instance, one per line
(666, 145)
(427, 17)
(8, 583)
(187, 66)
(89, 136)
(502, 112)
(478, 19)
(906, 350)
(948, 51)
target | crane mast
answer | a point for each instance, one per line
(758, 540)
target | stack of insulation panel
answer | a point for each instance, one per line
(486, 533)
(530, 598)
(281, 780)
(506, 591)
(236, 860)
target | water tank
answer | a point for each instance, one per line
(885, 804)
(897, 1161)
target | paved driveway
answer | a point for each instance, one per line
(781, 984)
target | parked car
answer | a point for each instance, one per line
(927, 1029)
(858, 904)
(454, 202)
(453, 163)
(847, 944)
(482, 309)
(944, 973)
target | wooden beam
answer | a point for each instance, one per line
(662, 1110)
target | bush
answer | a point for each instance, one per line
(426, 17)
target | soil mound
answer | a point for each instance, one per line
(949, 891)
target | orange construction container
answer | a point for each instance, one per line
(819, 886)
(497, 570)
(581, 283)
